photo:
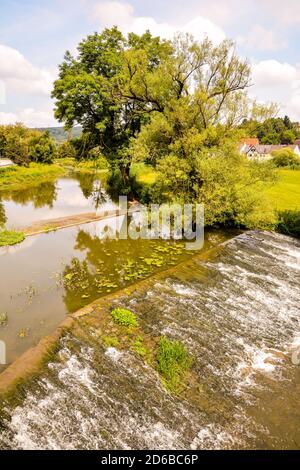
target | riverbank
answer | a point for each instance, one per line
(19, 178)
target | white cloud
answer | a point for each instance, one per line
(19, 75)
(279, 82)
(30, 117)
(20, 80)
(8, 118)
(272, 73)
(286, 12)
(262, 39)
(111, 13)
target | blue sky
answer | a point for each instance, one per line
(35, 34)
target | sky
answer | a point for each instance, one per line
(34, 35)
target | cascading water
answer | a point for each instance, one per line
(238, 315)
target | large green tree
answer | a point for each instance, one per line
(92, 90)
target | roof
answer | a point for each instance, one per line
(250, 141)
(267, 149)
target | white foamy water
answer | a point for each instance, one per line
(237, 314)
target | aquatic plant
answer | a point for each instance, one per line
(3, 318)
(173, 362)
(124, 317)
(139, 347)
(11, 238)
(110, 341)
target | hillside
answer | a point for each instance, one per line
(59, 133)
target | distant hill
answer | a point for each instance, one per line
(59, 133)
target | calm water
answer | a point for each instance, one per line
(51, 200)
(238, 314)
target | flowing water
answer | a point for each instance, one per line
(238, 315)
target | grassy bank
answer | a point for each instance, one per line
(285, 194)
(144, 174)
(15, 178)
(83, 166)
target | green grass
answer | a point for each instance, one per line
(124, 317)
(139, 347)
(8, 238)
(143, 173)
(110, 341)
(289, 223)
(17, 177)
(173, 362)
(285, 194)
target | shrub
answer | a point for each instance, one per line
(285, 158)
(66, 150)
(124, 317)
(289, 223)
(17, 151)
(42, 148)
(173, 361)
(23, 145)
(10, 238)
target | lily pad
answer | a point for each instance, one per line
(3, 318)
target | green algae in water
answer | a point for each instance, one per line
(3, 319)
(110, 341)
(8, 238)
(124, 317)
(139, 348)
(173, 362)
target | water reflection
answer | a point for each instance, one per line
(111, 264)
(43, 195)
(2, 214)
(80, 193)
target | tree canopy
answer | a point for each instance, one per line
(177, 105)
(273, 131)
(23, 145)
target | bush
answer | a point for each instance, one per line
(289, 223)
(42, 149)
(23, 145)
(285, 158)
(66, 150)
(17, 151)
(124, 317)
(173, 361)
